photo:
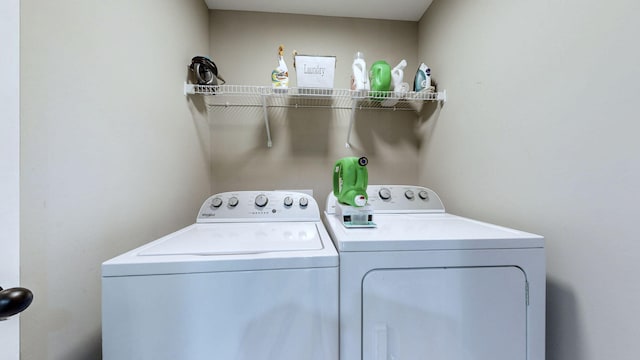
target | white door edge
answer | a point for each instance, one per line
(10, 167)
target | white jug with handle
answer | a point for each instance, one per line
(360, 77)
(397, 75)
(399, 88)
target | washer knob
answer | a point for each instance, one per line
(288, 201)
(216, 202)
(304, 202)
(409, 194)
(423, 195)
(384, 194)
(233, 201)
(261, 200)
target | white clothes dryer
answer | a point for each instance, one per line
(256, 277)
(425, 284)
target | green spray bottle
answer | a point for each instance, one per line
(350, 178)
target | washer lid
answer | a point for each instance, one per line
(229, 247)
(428, 232)
(238, 238)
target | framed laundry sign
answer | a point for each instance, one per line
(315, 71)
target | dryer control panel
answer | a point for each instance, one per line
(398, 199)
(247, 206)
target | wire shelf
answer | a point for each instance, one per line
(342, 98)
(268, 97)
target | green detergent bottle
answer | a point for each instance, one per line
(350, 180)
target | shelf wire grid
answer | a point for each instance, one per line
(258, 96)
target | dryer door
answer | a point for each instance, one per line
(472, 313)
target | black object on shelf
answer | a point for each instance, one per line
(14, 301)
(205, 70)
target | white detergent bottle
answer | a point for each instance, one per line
(397, 75)
(360, 77)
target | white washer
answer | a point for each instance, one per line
(425, 284)
(256, 277)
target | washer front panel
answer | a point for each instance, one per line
(289, 314)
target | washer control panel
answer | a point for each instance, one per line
(397, 199)
(247, 206)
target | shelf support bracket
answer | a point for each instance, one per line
(263, 97)
(189, 89)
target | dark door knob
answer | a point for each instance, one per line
(14, 301)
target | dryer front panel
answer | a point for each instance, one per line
(464, 313)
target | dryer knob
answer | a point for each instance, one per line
(233, 202)
(288, 201)
(423, 195)
(304, 202)
(261, 200)
(384, 194)
(216, 202)
(409, 194)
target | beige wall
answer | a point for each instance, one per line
(540, 133)
(306, 142)
(112, 156)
